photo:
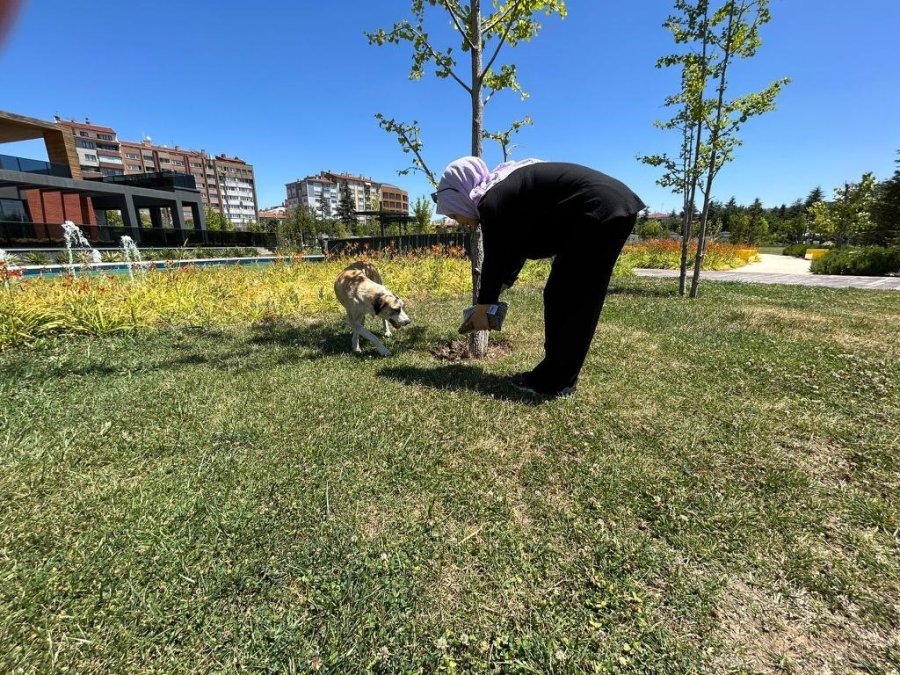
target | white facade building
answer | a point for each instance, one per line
(313, 191)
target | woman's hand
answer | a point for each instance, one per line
(479, 319)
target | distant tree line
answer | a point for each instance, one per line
(864, 213)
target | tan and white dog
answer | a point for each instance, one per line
(360, 290)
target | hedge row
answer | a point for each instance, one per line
(870, 261)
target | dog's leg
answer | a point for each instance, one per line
(354, 335)
(387, 328)
(370, 336)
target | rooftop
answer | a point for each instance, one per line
(84, 125)
(347, 176)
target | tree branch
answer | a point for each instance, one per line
(437, 60)
(502, 39)
(456, 21)
(501, 17)
(408, 135)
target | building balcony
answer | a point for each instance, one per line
(156, 180)
(10, 163)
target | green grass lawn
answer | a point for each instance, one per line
(720, 496)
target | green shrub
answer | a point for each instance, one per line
(37, 258)
(870, 261)
(650, 229)
(797, 250)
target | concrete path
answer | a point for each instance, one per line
(777, 264)
(788, 270)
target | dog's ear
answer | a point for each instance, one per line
(378, 303)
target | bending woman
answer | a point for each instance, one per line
(533, 209)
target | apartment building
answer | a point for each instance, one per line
(226, 184)
(363, 191)
(394, 199)
(97, 148)
(366, 193)
(314, 192)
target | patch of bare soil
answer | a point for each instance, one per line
(775, 633)
(458, 350)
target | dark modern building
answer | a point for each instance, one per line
(37, 196)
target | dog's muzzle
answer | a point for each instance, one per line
(400, 320)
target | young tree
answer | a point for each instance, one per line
(216, 222)
(796, 228)
(346, 209)
(682, 174)
(650, 229)
(735, 34)
(848, 217)
(728, 213)
(324, 205)
(299, 227)
(422, 213)
(709, 124)
(482, 37)
(750, 227)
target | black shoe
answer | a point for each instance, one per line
(523, 382)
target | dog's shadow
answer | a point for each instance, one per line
(460, 377)
(321, 339)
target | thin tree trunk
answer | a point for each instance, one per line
(689, 211)
(478, 342)
(713, 156)
(701, 237)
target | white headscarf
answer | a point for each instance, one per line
(466, 180)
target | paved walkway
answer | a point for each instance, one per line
(782, 269)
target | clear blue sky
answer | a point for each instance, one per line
(292, 87)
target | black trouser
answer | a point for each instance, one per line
(573, 299)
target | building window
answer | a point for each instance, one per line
(104, 137)
(132, 155)
(83, 133)
(88, 157)
(90, 145)
(148, 158)
(13, 209)
(134, 167)
(164, 160)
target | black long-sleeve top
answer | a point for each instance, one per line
(537, 210)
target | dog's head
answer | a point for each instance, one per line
(389, 307)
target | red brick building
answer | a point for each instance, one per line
(226, 184)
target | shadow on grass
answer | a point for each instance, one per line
(320, 339)
(323, 339)
(275, 342)
(644, 292)
(460, 377)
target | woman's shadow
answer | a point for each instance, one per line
(461, 377)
